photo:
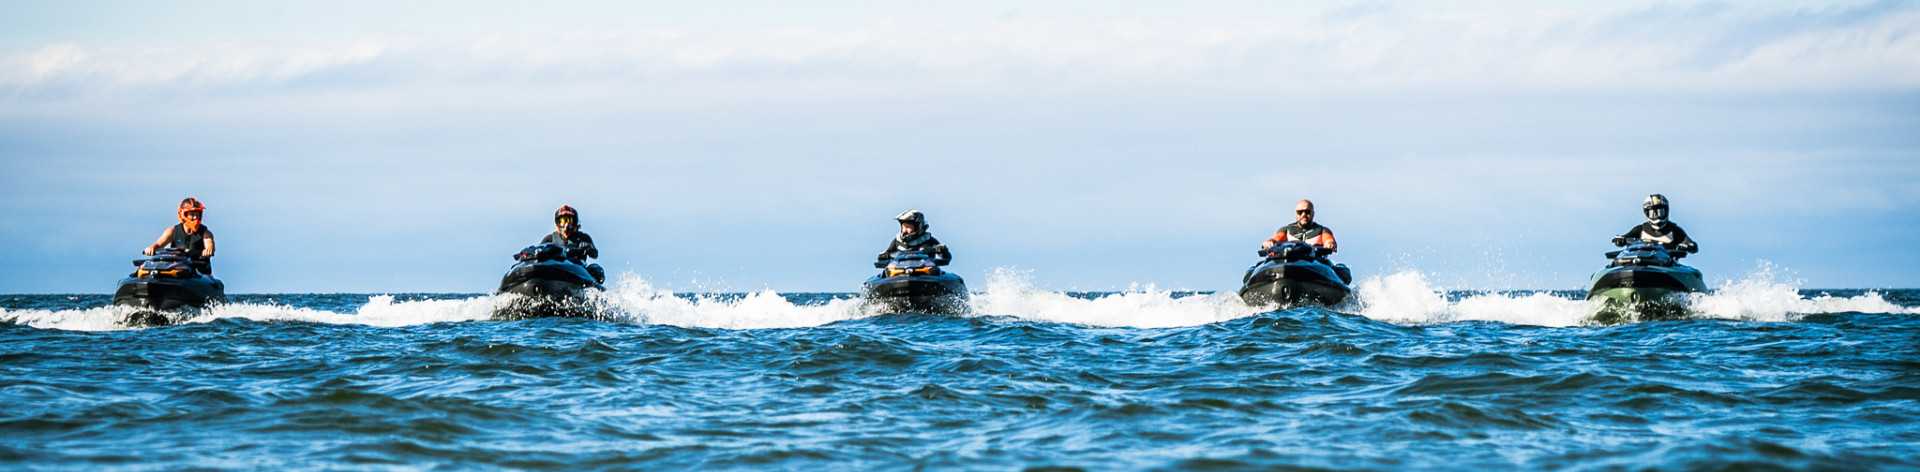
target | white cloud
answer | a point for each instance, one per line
(1662, 48)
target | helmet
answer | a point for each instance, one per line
(566, 212)
(1655, 207)
(913, 216)
(188, 205)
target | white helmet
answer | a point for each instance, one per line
(1656, 208)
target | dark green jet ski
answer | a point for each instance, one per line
(1644, 282)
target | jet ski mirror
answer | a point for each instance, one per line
(879, 264)
(1677, 253)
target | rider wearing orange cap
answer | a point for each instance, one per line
(1304, 229)
(190, 237)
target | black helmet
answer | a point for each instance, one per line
(566, 212)
(914, 216)
(1655, 207)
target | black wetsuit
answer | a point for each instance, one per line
(192, 245)
(1669, 235)
(924, 242)
(1316, 235)
(579, 249)
(579, 245)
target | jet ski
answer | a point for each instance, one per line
(913, 282)
(1643, 282)
(166, 284)
(1295, 273)
(552, 281)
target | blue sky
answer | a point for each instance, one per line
(360, 147)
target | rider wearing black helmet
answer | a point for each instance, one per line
(567, 234)
(914, 237)
(1658, 229)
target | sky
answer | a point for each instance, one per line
(1090, 145)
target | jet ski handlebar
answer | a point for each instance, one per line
(1631, 244)
(551, 252)
(908, 256)
(1295, 250)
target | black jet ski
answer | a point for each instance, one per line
(913, 282)
(552, 281)
(1295, 273)
(164, 288)
(1644, 282)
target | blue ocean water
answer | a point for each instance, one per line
(1406, 377)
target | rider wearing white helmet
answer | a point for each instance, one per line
(1658, 229)
(914, 237)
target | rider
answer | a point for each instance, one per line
(1657, 229)
(191, 238)
(1305, 230)
(567, 234)
(914, 237)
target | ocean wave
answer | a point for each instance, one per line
(1405, 297)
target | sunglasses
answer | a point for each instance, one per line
(193, 215)
(1303, 212)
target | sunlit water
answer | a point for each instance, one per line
(1404, 376)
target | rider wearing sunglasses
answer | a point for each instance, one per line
(190, 237)
(1304, 229)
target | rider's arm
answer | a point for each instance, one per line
(1684, 242)
(164, 237)
(940, 255)
(209, 252)
(592, 251)
(1631, 236)
(1327, 237)
(1278, 237)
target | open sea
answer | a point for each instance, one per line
(1764, 376)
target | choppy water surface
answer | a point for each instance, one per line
(1406, 377)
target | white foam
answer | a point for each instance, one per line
(636, 300)
(106, 318)
(1402, 297)
(1764, 295)
(1010, 293)
(1407, 297)
(1771, 293)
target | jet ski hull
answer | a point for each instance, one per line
(944, 293)
(1293, 283)
(1643, 292)
(154, 297)
(548, 279)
